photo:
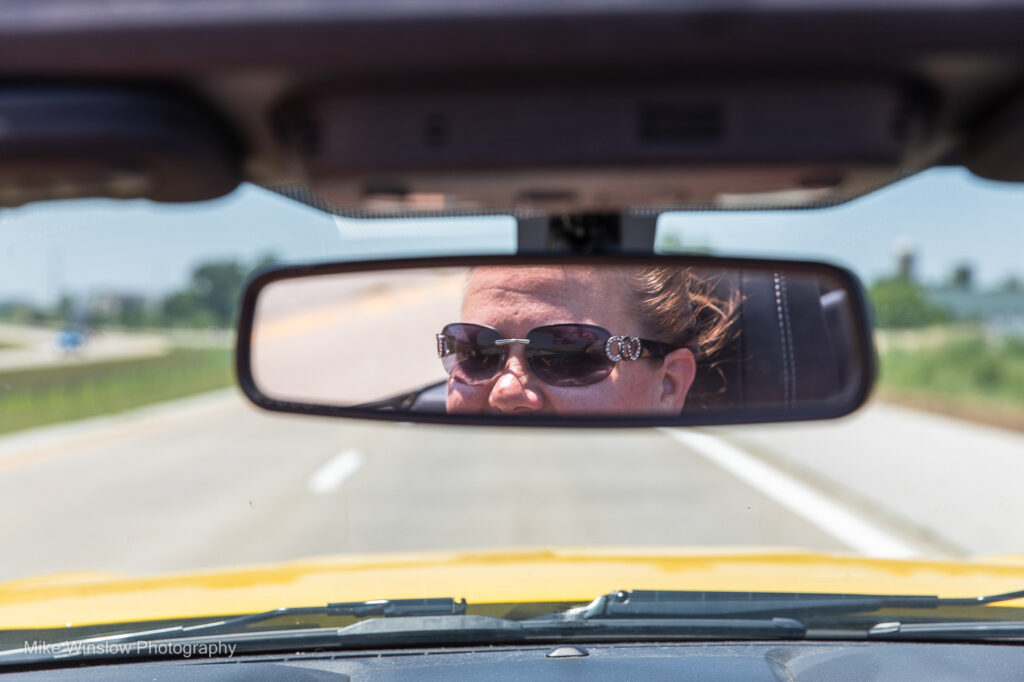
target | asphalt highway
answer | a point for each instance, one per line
(213, 482)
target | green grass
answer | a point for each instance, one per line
(35, 397)
(967, 369)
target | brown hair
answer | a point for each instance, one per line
(683, 307)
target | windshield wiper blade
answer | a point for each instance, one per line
(502, 629)
(402, 631)
(959, 630)
(387, 608)
(644, 613)
(695, 604)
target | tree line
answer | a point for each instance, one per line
(209, 299)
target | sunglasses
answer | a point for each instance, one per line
(557, 354)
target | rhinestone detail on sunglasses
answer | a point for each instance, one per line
(629, 348)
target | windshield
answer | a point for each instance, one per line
(130, 464)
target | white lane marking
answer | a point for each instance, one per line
(335, 471)
(809, 504)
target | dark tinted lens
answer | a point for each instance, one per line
(474, 359)
(569, 354)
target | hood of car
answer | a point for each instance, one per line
(484, 577)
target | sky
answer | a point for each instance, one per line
(946, 215)
(100, 245)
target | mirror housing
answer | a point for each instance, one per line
(360, 340)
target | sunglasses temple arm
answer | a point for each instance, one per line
(654, 349)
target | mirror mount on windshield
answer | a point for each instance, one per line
(587, 233)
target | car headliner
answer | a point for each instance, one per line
(242, 59)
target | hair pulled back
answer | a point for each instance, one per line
(683, 307)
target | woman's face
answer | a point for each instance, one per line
(515, 300)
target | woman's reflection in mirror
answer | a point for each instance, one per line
(582, 340)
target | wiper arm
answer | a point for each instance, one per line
(692, 604)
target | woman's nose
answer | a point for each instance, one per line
(513, 390)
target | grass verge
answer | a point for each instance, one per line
(969, 374)
(35, 397)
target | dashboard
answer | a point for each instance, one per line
(768, 661)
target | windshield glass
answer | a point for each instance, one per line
(129, 461)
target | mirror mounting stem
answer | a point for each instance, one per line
(587, 234)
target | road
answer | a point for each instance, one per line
(369, 336)
(211, 482)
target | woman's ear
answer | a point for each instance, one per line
(677, 373)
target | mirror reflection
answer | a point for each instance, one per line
(603, 340)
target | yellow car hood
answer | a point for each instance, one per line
(522, 575)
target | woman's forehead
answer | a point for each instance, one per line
(537, 277)
(579, 290)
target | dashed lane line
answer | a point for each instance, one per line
(335, 471)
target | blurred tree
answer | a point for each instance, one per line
(211, 297)
(132, 311)
(905, 259)
(1012, 285)
(217, 287)
(963, 277)
(177, 308)
(65, 308)
(265, 261)
(900, 302)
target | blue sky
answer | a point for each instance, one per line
(141, 246)
(947, 215)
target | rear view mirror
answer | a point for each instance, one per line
(587, 340)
